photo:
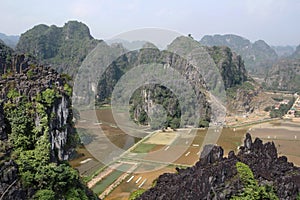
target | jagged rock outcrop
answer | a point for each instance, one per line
(62, 48)
(10, 62)
(258, 56)
(216, 177)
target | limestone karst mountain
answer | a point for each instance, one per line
(62, 48)
(258, 56)
(285, 73)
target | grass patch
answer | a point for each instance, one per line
(107, 181)
(110, 179)
(144, 148)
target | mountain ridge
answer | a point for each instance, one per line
(62, 48)
(10, 40)
(258, 56)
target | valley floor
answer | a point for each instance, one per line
(162, 152)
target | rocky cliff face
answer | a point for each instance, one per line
(146, 97)
(36, 135)
(10, 62)
(258, 56)
(230, 65)
(217, 177)
(32, 82)
(62, 48)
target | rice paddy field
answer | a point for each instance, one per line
(161, 152)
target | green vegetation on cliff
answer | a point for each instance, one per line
(251, 190)
(39, 136)
(32, 151)
(64, 48)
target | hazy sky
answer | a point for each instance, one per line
(275, 21)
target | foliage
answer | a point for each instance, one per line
(68, 89)
(44, 195)
(252, 191)
(48, 96)
(63, 47)
(161, 96)
(144, 148)
(203, 123)
(298, 196)
(13, 93)
(136, 194)
(21, 125)
(29, 74)
(283, 108)
(32, 152)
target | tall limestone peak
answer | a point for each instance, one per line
(76, 30)
(62, 48)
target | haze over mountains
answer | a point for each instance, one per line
(285, 73)
(36, 127)
(9, 40)
(258, 56)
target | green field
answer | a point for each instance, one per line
(110, 179)
(143, 148)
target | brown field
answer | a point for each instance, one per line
(122, 192)
(281, 132)
(285, 135)
(163, 138)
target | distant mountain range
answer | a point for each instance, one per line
(285, 73)
(258, 56)
(133, 45)
(284, 51)
(9, 40)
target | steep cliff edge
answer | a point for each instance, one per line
(256, 172)
(37, 135)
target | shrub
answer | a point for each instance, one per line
(252, 191)
(136, 194)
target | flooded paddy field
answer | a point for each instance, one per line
(152, 155)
